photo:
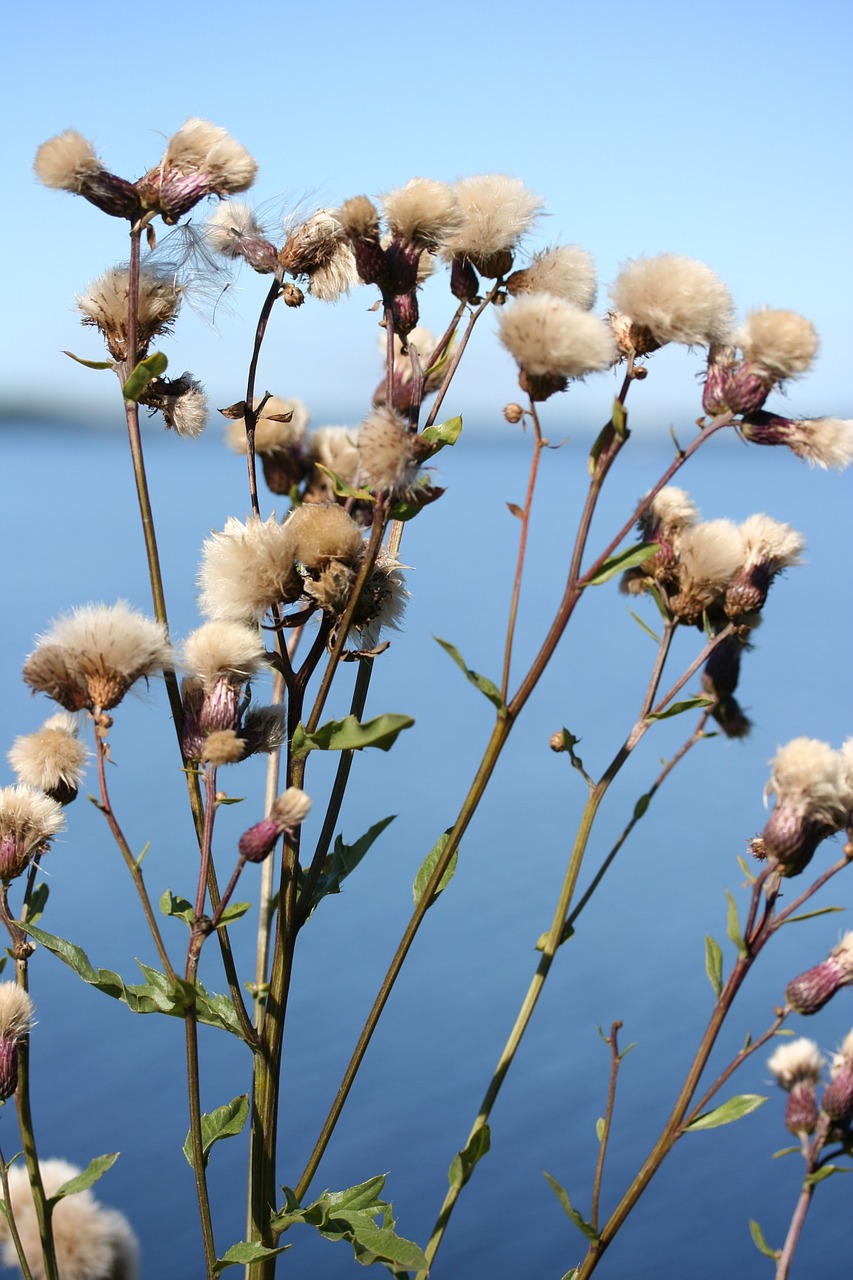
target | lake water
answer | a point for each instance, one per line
(105, 1080)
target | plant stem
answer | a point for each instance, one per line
(608, 1119)
(10, 1218)
(191, 1026)
(522, 548)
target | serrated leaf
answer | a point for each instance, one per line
(342, 489)
(350, 735)
(627, 559)
(351, 1216)
(810, 915)
(462, 1164)
(760, 1243)
(741, 1105)
(428, 866)
(91, 364)
(156, 995)
(733, 925)
(153, 366)
(243, 1252)
(345, 858)
(178, 907)
(94, 1170)
(225, 1122)
(418, 497)
(646, 628)
(482, 683)
(599, 1128)
(441, 434)
(826, 1171)
(678, 708)
(578, 1219)
(714, 964)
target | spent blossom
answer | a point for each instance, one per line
(105, 305)
(670, 298)
(68, 162)
(822, 442)
(552, 340)
(16, 1020)
(810, 991)
(837, 1100)
(247, 569)
(29, 820)
(796, 1066)
(201, 159)
(497, 211)
(813, 786)
(53, 759)
(288, 812)
(567, 272)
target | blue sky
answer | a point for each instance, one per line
(720, 132)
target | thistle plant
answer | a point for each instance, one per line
(303, 603)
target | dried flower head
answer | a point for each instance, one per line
(796, 1067)
(813, 787)
(105, 305)
(319, 248)
(670, 298)
(232, 230)
(91, 657)
(709, 555)
(389, 455)
(16, 1020)
(182, 402)
(782, 343)
(52, 759)
(288, 812)
(201, 159)
(322, 532)
(223, 650)
(92, 1242)
(552, 340)
(223, 746)
(810, 991)
(381, 604)
(68, 162)
(822, 442)
(768, 547)
(423, 214)
(497, 211)
(280, 427)
(566, 272)
(837, 1101)
(247, 569)
(29, 820)
(336, 449)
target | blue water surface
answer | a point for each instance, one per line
(105, 1080)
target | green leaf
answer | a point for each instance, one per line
(342, 489)
(243, 1253)
(786, 1151)
(94, 1170)
(733, 926)
(224, 1122)
(810, 915)
(599, 1128)
(38, 902)
(351, 1216)
(578, 1219)
(350, 735)
(641, 806)
(234, 911)
(619, 418)
(741, 1105)
(345, 858)
(760, 1243)
(604, 437)
(572, 1275)
(91, 364)
(441, 434)
(179, 907)
(678, 708)
(714, 964)
(647, 629)
(826, 1171)
(428, 866)
(482, 683)
(462, 1164)
(152, 366)
(156, 995)
(418, 497)
(627, 559)
(751, 879)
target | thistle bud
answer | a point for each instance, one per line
(812, 989)
(731, 387)
(16, 1020)
(837, 1101)
(814, 798)
(464, 283)
(288, 812)
(796, 1067)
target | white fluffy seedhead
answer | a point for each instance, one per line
(783, 343)
(550, 337)
(813, 779)
(246, 569)
(675, 299)
(799, 1060)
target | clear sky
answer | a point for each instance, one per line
(719, 131)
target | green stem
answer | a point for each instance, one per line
(191, 1026)
(10, 1218)
(522, 548)
(25, 1124)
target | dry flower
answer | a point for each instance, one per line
(322, 532)
(388, 453)
(201, 159)
(796, 1067)
(16, 1020)
(424, 214)
(810, 991)
(105, 305)
(552, 340)
(68, 162)
(233, 231)
(566, 272)
(497, 211)
(781, 343)
(288, 812)
(247, 569)
(670, 298)
(768, 547)
(822, 442)
(29, 820)
(52, 759)
(837, 1101)
(813, 786)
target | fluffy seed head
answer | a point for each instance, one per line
(29, 820)
(91, 657)
(246, 569)
(53, 759)
(322, 532)
(566, 272)
(202, 147)
(781, 342)
(16, 1012)
(709, 555)
(232, 230)
(424, 213)
(822, 442)
(550, 337)
(675, 299)
(105, 305)
(796, 1061)
(814, 779)
(66, 161)
(768, 547)
(319, 248)
(387, 453)
(92, 1242)
(497, 211)
(223, 746)
(223, 650)
(381, 604)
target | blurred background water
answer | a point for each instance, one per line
(105, 1080)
